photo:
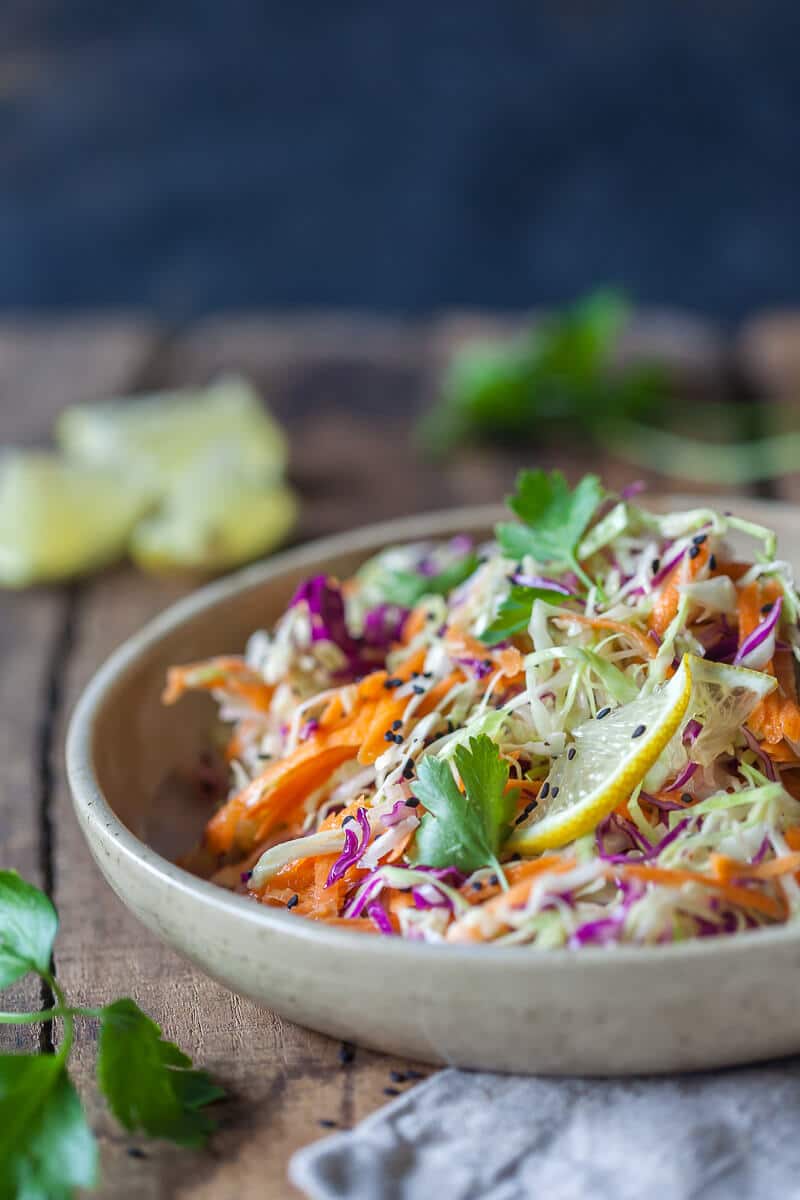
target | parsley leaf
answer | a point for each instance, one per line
(46, 1147)
(28, 925)
(406, 588)
(463, 829)
(562, 376)
(554, 519)
(148, 1081)
(514, 614)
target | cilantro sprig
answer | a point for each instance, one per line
(464, 829)
(46, 1146)
(553, 518)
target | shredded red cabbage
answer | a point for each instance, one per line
(543, 581)
(764, 630)
(678, 782)
(633, 489)
(354, 847)
(766, 761)
(326, 609)
(378, 914)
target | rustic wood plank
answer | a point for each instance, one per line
(43, 365)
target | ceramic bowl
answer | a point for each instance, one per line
(600, 1011)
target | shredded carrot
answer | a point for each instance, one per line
(229, 673)
(673, 877)
(777, 716)
(646, 645)
(517, 894)
(725, 868)
(667, 599)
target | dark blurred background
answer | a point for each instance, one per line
(186, 156)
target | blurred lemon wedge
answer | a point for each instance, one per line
(159, 436)
(59, 519)
(615, 752)
(215, 516)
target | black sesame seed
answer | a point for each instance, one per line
(391, 1091)
(418, 690)
(654, 565)
(603, 713)
(398, 739)
(412, 803)
(430, 616)
(638, 731)
(398, 724)
(410, 1074)
(766, 608)
(686, 798)
(348, 819)
(293, 901)
(544, 790)
(699, 539)
(347, 1053)
(712, 562)
(518, 821)
(388, 736)
(477, 885)
(693, 553)
(571, 753)
(398, 1076)
(493, 881)
(327, 1123)
(487, 662)
(135, 1152)
(393, 682)
(530, 807)
(408, 768)
(554, 792)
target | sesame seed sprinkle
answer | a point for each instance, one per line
(638, 731)
(603, 712)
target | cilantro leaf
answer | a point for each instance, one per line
(46, 1146)
(406, 588)
(554, 518)
(28, 924)
(514, 614)
(463, 829)
(562, 376)
(148, 1082)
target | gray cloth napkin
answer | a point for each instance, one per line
(464, 1136)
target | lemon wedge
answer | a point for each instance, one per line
(612, 754)
(58, 519)
(214, 517)
(159, 436)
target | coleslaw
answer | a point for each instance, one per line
(584, 732)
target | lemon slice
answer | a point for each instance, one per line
(158, 436)
(723, 697)
(612, 754)
(58, 520)
(215, 517)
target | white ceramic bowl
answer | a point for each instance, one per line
(599, 1011)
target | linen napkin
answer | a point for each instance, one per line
(726, 1135)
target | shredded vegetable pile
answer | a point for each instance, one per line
(585, 732)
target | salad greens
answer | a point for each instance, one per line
(46, 1146)
(464, 829)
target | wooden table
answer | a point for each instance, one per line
(348, 388)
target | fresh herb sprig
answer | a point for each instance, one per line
(560, 375)
(46, 1146)
(553, 519)
(464, 829)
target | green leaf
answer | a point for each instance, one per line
(554, 518)
(28, 924)
(559, 376)
(46, 1146)
(514, 614)
(406, 588)
(148, 1082)
(463, 829)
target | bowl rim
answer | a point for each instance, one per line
(96, 814)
